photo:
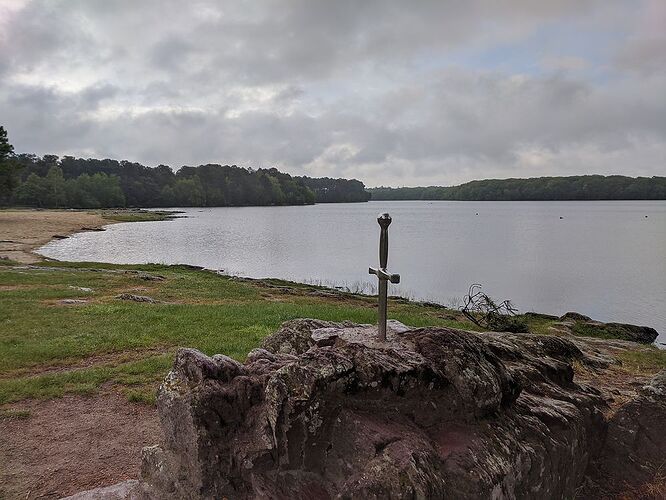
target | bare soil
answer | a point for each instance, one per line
(23, 231)
(72, 444)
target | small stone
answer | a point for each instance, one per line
(397, 327)
(137, 298)
(72, 301)
(574, 316)
(150, 277)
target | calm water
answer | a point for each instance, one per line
(604, 259)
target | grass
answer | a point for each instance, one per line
(586, 330)
(646, 360)
(48, 349)
(539, 323)
(11, 413)
(144, 395)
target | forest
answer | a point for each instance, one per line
(68, 182)
(581, 187)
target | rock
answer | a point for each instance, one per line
(127, 490)
(642, 334)
(294, 337)
(150, 277)
(574, 316)
(67, 302)
(81, 288)
(365, 334)
(622, 331)
(536, 315)
(193, 367)
(397, 327)
(137, 298)
(432, 413)
(331, 294)
(635, 448)
(584, 325)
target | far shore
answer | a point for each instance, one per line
(23, 231)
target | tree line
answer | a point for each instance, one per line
(580, 187)
(51, 182)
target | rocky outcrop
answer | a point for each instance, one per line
(137, 298)
(325, 411)
(580, 324)
(634, 333)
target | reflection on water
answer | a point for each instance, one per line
(604, 259)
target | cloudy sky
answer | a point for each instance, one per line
(389, 92)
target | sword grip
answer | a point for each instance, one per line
(384, 221)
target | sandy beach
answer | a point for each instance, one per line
(23, 231)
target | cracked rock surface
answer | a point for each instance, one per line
(324, 411)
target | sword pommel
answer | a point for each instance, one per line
(384, 220)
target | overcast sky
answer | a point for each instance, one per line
(389, 92)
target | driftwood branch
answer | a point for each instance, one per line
(484, 312)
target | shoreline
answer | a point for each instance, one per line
(23, 231)
(47, 225)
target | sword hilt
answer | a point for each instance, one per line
(384, 221)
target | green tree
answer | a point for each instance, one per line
(9, 168)
(33, 192)
(55, 183)
(94, 191)
(189, 192)
(6, 149)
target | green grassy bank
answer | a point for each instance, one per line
(49, 347)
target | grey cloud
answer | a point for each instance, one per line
(171, 53)
(290, 93)
(328, 88)
(646, 55)
(260, 42)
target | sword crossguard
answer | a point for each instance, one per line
(383, 274)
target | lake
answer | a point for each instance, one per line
(606, 259)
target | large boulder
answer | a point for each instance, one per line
(584, 325)
(635, 333)
(330, 412)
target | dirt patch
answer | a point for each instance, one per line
(615, 384)
(13, 288)
(23, 231)
(72, 444)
